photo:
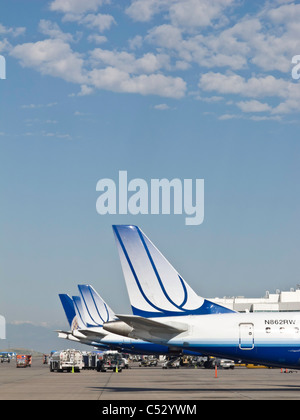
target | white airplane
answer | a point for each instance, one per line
(167, 311)
(86, 315)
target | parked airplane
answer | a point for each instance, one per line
(74, 333)
(87, 314)
(167, 311)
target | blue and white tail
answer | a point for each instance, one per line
(95, 311)
(81, 322)
(155, 288)
(69, 309)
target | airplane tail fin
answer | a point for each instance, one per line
(69, 309)
(80, 314)
(155, 288)
(96, 311)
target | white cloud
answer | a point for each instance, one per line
(286, 13)
(244, 54)
(221, 50)
(85, 90)
(265, 118)
(98, 39)
(148, 63)
(161, 107)
(99, 21)
(238, 85)
(52, 29)
(211, 99)
(226, 117)
(144, 10)
(52, 57)
(76, 6)
(117, 80)
(197, 13)
(122, 72)
(255, 87)
(12, 31)
(5, 45)
(84, 13)
(267, 40)
(166, 36)
(34, 106)
(136, 42)
(253, 106)
(57, 135)
(291, 104)
(185, 13)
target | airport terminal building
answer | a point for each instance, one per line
(277, 302)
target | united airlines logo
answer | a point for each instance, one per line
(161, 288)
(74, 325)
(155, 287)
(96, 313)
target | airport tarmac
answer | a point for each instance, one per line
(152, 384)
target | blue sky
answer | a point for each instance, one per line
(163, 89)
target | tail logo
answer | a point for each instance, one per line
(155, 288)
(74, 325)
(95, 311)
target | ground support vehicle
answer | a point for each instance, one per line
(4, 357)
(66, 360)
(110, 360)
(45, 359)
(90, 361)
(23, 360)
(173, 363)
(148, 361)
(226, 364)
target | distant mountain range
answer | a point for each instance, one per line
(36, 338)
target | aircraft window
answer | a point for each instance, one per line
(282, 329)
(268, 330)
(296, 330)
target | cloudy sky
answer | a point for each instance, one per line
(188, 89)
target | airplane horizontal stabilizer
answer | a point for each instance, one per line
(146, 328)
(96, 333)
